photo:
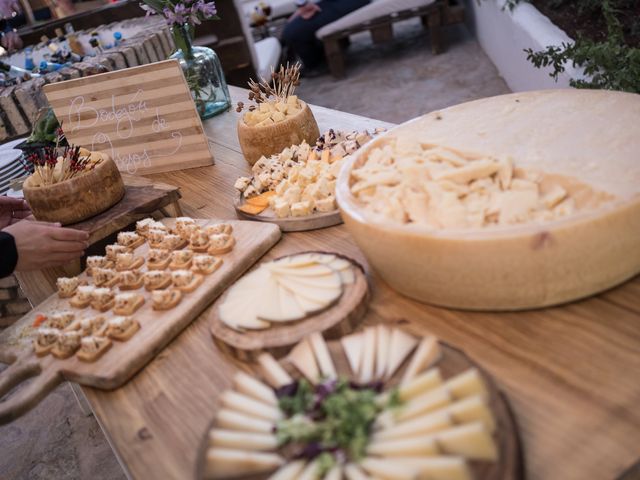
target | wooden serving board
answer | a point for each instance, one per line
(124, 359)
(336, 321)
(291, 224)
(510, 464)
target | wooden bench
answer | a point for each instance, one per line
(434, 16)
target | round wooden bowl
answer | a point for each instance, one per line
(555, 132)
(271, 139)
(79, 198)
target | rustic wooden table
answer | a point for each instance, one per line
(571, 373)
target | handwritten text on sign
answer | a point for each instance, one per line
(142, 117)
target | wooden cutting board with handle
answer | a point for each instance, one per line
(158, 328)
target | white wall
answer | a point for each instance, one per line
(504, 35)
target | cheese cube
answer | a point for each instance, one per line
(292, 100)
(282, 208)
(264, 107)
(282, 107)
(265, 123)
(326, 204)
(300, 209)
(277, 116)
(292, 194)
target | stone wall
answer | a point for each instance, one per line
(13, 303)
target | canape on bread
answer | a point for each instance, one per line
(158, 258)
(155, 236)
(127, 303)
(45, 340)
(220, 243)
(113, 250)
(185, 280)
(102, 299)
(183, 223)
(166, 299)
(205, 264)
(199, 241)
(67, 344)
(181, 259)
(128, 261)
(143, 226)
(130, 240)
(82, 298)
(156, 280)
(105, 277)
(186, 231)
(92, 348)
(89, 326)
(131, 280)
(97, 261)
(121, 328)
(173, 242)
(61, 319)
(67, 286)
(219, 228)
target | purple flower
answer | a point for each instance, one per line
(207, 9)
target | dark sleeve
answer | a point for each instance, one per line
(8, 254)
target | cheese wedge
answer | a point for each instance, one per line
(242, 403)
(334, 474)
(309, 306)
(388, 470)
(289, 305)
(466, 384)
(310, 472)
(354, 472)
(439, 468)
(352, 346)
(269, 308)
(427, 353)
(230, 419)
(417, 446)
(229, 463)
(400, 346)
(323, 357)
(240, 315)
(433, 422)
(367, 364)
(472, 441)
(273, 371)
(427, 402)
(253, 387)
(242, 440)
(330, 280)
(421, 384)
(303, 358)
(383, 338)
(319, 295)
(290, 471)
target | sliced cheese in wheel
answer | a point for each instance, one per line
(242, 403)
(432, 422)
(230, 463)
(318, 295)
(382, 350)
(407, 447)
(323, 257)
(253, 387)
(354, 472)
(273, 371)
(427, 402)
(340, 264)
(290, 471)
(352, 346)
(421, 384)
(367, 365)
(242, 440)
(309, 306)
(269, 307)
(440, 467)
(315, 270)
(427, 353)
(330, 280)
(472, 409)
(234, 420)
(400, 346)
(311, 471)
(472, 441)
(466, 384)
(347, 276)
(290, 306)
(303, 358)
(296, 261)
(323, 357)
(240, 316)
(388, 470)
(334, 474)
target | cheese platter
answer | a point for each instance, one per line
(279, 302)
(295, 189)
(107, 323)
(379, 403)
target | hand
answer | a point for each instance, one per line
(42, 245)
(12, 210)
(307, 11)
(11, 41)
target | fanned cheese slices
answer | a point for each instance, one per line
(286, 290)
(428, 427)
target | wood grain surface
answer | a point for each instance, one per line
(336, 321)
(510, 464)
(157, 329)
(570, 372)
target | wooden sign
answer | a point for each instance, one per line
(142, 117)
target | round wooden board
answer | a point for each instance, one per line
(510, 464)
(292, 224)
(338, 320)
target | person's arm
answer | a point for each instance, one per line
(8, 254)
(306, 9)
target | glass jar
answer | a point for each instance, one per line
(203, 72)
